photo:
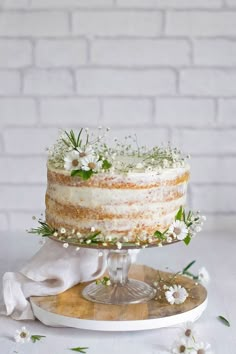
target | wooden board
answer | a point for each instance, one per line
(71, 309)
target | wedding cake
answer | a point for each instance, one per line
(118, 196)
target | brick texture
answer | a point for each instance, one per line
(164, 70)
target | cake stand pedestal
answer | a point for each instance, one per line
(71, 309)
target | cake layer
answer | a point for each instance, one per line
(116, 204)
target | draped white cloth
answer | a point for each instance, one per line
(52, 270)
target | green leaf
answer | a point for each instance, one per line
(224, 321)
(36, 337)
(179, 214)
(93, 236)
(106, 165)
(187, 240)
(159, 235)
(85, 175)
(188, 266)
(79, 349)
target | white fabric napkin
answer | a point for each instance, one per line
(52, 270)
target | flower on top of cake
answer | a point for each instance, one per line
(87, 153)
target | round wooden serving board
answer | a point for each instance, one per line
(70, 309)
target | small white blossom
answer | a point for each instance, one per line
(92, 229)
(188, 331)
(72, 161)
(181, 347)
(179, 229)
(65, 245)
(63, 230)
(139, 165)
(77, 249)
(176, 294)
(22, 335)
(201, 348)
(203, 275)
(119, 245)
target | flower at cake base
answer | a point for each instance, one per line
(91, 163)
(22, 335)
(176, 294)
(72, 161)
(178, 229)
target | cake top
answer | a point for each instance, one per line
(86, 153)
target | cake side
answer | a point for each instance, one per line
(121, 206)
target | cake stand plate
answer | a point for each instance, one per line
(70, 309)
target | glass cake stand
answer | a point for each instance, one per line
(122, 290)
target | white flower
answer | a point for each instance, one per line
(65, 245)
(139, 165)
(77, 249)
(91, 163)
(92, 229)
(181, 346)
(203, 275)
(188, 331)
(72, 161)
(176, 294)
(108, 282)
(119, 245)
(63, 230)
(179, 229)
(201, 348)
(22, 335)
(85, 152)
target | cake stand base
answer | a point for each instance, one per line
(70, 309)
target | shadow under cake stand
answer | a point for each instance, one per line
(128, 304)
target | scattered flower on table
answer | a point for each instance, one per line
(181, 346)
(203, 275)
(201, 348)
(22, 335)
(176, 294)
(188, 331)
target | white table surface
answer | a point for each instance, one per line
(217, 252)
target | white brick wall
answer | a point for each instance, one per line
(164, 69)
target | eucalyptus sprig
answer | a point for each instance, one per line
(43, 230)
(36, 337)
(79, 349)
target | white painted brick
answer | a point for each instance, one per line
(145, 136)
(209, 82)
(140, 52)
(227, 112)
(3, 222)
(9, 83)
(14, 4)
(15, 53)
(193, 23)
(220, 223)
(213, 169)
(184, 112)
(231, 3)
(221, 52)
(66, 4)
(71, 111)
(22, 197)
(126, 112)
(34, 24)
(169, 4)
(28, 141)
(216, 142)
(218, 198)
(47, 82)
(17, 111)
(117, 23)
(22, 221)
(23, 169)
(59, 53)
(125, 82)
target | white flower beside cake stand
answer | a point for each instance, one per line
(128, 304)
